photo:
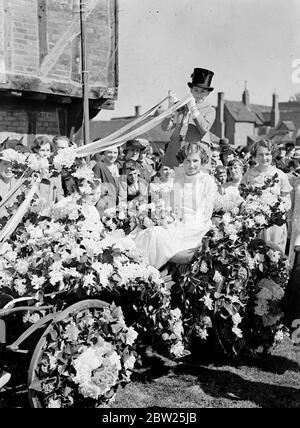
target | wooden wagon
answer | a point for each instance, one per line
(21, 351)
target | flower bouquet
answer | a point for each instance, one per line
(138, 214)
(85, 357)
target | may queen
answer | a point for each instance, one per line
(192, 200)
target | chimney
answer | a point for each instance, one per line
(246, 96)
(137, 110)
(275, 113)
(220, 115)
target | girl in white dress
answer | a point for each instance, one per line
(192, 200)
(257, 175)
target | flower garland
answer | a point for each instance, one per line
(234, 286)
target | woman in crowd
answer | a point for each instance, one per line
(221, 178)
(107, 170)
(131, 186)
(263, 152)
(50, 188)
(147, 165)
(7, 180)
(235, 170)
(162, 185)
(193, 198)
(60, 142)
(228, 196)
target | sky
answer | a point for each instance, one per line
(162, 41)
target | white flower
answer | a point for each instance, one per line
(55, 276)
(5, 248)
(269, 198)
(178, 329)
(34, 162)
(11, 256)
(237, 331)
(97, 369)
(104, 271)
(226, 218)
(20, 286)
(238, 225)
(121, 215)
(251, 262)
(203, 267)
(77, 252)
(202, 332)
(85, 173)
(129, 363)
(54, 404)
(88, 280)
(218, 278)
(34, 318)
(177, 349)
(260, 219)
(22, 266)
(229, 229)
(131, 336)
(13, 156)
(35, 232)
(283, 207)
(274, 256)
(236, 319)
(279, 336)
(208, 302)
(175, 314)
(65, 158)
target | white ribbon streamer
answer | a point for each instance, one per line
(101, 145)
(12, 224)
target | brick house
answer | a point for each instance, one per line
(40, 65)
(244, 123)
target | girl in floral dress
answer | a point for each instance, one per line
(257, 175)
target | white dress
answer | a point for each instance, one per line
(192, 200)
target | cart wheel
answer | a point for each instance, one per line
(36, 396)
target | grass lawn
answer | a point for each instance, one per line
(271, 382)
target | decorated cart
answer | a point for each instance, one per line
(79, 305)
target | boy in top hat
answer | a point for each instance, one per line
(194, 120)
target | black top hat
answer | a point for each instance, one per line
(201, 78)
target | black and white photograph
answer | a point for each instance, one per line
(149, 206)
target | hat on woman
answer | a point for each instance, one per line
(137, 143)
(202, 78)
